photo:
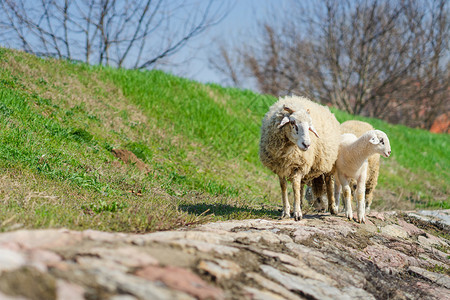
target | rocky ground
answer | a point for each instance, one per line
(393, 256)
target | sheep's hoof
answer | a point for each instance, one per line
(297, 216)
(333, 210)
(349, 215)
(361, 214)
(285, 215)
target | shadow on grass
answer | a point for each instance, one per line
(228, 211)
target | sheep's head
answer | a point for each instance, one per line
(297, 125)
(381, 142)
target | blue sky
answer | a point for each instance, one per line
(239, 24)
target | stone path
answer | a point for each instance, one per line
(393, 256)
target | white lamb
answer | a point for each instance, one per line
(358, 128)
(287, 148)
(316, 193)
(352, 164)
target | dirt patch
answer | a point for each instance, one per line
(386, 286)
(408, 248)
(28, 282)
(433, 228)
(249, 261)
(130, 158)
(357, 240)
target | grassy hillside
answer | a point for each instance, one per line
(60, 121)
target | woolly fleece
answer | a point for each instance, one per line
(283, 157)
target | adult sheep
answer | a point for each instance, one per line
(288, 149)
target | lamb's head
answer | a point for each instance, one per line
(381, 142)
(296, 125)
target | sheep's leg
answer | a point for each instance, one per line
(369, 198)
(337, 192)
(302, 194)
(337, 195)
(348, 201)
(347, 197)
(298, 193)
(360, 192)
(284, 198)
(330, 195)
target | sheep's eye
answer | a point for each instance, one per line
(381, 141)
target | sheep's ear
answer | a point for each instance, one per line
(290, 111)
(313, 130)
(283, 122)
(374, 140)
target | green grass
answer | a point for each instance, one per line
(439, 269)
(60, 121)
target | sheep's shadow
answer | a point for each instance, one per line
(220, 209)
(314, 215)
(227, 210)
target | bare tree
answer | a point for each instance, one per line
(130, 33)
(227, 64)
(387, 59)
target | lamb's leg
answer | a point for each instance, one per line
(330, 195)
(337, 194)
(360, 192)
(284, 198)
(298, 191)
(347, 197)
(348, 201)
(369, 198)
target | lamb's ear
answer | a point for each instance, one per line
(290, 111)
(374, 140)
(283, 122)
(313, 130)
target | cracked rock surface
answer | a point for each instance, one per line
(392, 256)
